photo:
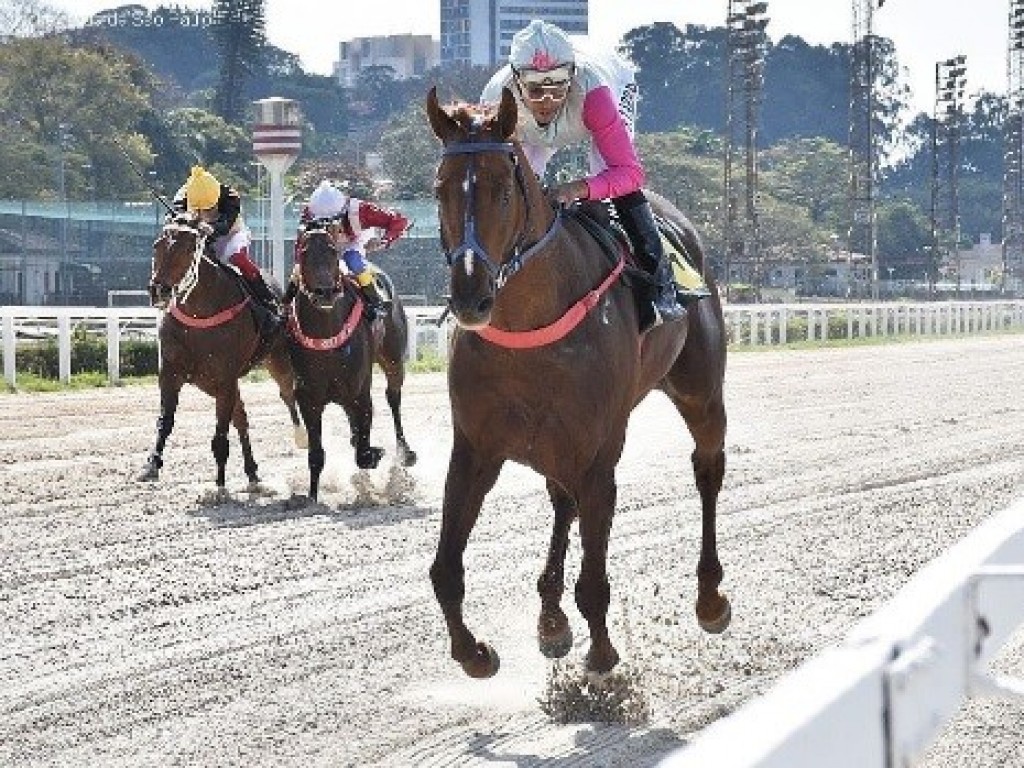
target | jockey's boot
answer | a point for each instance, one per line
(268, 311)
(639, 224)
(376, 305)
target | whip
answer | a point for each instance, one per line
(160, 198)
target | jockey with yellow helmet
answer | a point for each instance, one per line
(357, 224)
(221, 207)
(565, 97)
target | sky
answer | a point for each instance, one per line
(923, 31)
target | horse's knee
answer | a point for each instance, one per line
(219, 446)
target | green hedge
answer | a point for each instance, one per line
(88, 355)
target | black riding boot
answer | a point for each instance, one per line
(268, 311)
(638, 221)
(376, 306)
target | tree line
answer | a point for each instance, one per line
(173, 93)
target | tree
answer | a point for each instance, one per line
(30, 18)
(810, 173)
(59, 108)
(410, 153)
(239, 29)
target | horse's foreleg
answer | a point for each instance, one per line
(360, 418)
(240, 420)
(469, 479)
(170, 389)
(553, 631)
(597, 508)
(312, 414)
(226, 402)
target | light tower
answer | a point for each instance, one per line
(950, 82)
(276, 141)
(746, 41)
(1013, 155)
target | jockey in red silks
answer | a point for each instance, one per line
(221, 207)
(358, 222)
(565, 96)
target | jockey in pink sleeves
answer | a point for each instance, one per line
(565, 97)
(357, 224)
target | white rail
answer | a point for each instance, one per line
(884, 695)
(747, 324)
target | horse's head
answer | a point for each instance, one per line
(319, 268)
(176, 255)
(485, 192)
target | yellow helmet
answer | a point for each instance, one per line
(202, 190)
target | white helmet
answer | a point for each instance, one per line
(542, 47)
(327, 201)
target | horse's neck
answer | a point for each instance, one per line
(216, 289)
(325, 322)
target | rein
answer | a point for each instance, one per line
(472, 250)
(190, 281)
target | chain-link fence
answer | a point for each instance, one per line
(78, 253)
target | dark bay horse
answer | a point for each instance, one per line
(209, 338)
(546, 365)
(334, 347)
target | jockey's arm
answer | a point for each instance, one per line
(393, 223)
(624, 173)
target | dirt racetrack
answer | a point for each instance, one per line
(157, 625)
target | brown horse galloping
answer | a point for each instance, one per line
(333, 349)
(209, 338)
(543, 377)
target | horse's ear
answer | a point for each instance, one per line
(507, 114)
(440, 121)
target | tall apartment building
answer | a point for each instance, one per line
(479, 32)
(407, 55)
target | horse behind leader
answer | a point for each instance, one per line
(209, 337)
(334, 346)
(545, 368)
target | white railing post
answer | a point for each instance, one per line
(64, 348)
(10, 345)
(113, 349)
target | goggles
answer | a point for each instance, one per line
(552, 84)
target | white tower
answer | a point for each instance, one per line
(276, 141)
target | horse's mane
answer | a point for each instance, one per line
(468, 115)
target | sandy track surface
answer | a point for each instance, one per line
(159, 625)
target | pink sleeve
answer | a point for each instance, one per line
(624, 173)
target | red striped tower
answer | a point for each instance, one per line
(276, 142)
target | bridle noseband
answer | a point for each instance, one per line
(471, 247)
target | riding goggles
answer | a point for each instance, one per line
(552, 84)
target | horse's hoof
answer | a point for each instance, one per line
(408, 457)
(554, 636)
(301, 438)
(485, 662)
(598, 665)
(370, 458)
(718, 624)
(150, 473)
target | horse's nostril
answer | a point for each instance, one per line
(485, 305)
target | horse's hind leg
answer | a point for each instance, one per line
(240, 420)
(360, 418)
(170, 389)
(469, 479)
(706, 421)
(395, 374)
(554, 634)
(280, 368)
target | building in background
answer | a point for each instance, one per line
(408, 55)
(479, 32)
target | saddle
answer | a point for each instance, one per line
(599, 219)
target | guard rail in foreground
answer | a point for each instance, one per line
(880, 698)
(747, 325)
